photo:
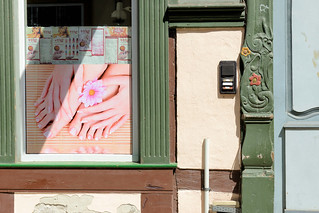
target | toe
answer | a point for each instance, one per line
(46, 120)
(90, 133)
(75, 125)
(98, 134)
(84, 130)
(40, 108)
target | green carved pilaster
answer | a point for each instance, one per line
(257, 108)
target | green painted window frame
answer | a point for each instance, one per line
(153, 90)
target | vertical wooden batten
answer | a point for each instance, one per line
(161, 203)
(172, 98)
(153, 82)
(7, 202)
(7, 91)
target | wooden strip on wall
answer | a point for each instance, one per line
(159, 203)
(219, 181)
(172, 93)
(86, 179)
(7, 202)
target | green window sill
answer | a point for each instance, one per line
(128, 165)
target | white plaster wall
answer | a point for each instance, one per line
(190, 201)
(201, 111)
(26, 202)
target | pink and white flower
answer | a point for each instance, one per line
(93, 93)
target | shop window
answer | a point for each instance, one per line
(78, 87)
(65, 48)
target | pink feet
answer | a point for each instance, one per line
(103, 119)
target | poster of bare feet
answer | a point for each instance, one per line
(78, 108)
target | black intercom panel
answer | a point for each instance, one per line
(227, 77)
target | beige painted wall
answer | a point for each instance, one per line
(201, 111)
(74, 203)
(190, 201)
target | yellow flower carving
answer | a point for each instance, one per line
(245, 51)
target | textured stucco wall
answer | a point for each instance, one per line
(190, 201)
(75, 203)
(201, 111)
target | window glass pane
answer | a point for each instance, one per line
(55, 15)
(78, 77)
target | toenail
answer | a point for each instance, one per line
(84, 121)
(81, 137)
(37, 120)
(96, 138)
(105, 136)
(73, 131)
(89, 137)
(47, 134)
(39, 125)
(49, 109)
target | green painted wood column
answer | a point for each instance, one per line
(7, 93)
(257, 107)
(153, 82)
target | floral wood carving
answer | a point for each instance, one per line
(256, 81)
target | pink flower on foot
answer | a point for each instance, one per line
(92, 93)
